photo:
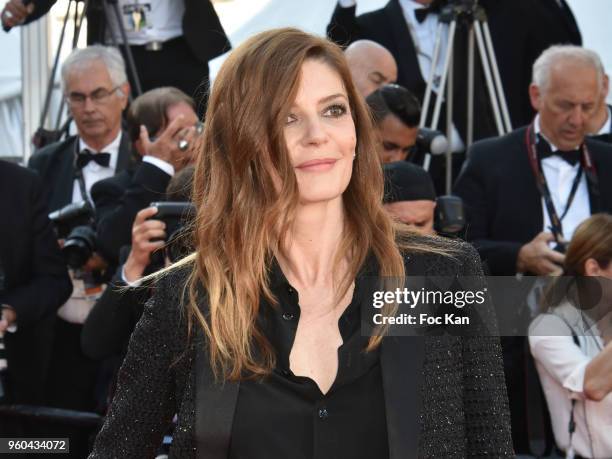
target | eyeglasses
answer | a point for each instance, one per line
(99, 97)
(389, 146)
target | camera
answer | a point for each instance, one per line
(176, 216)
(431, 141)
(74, 224)
(560, 247)
(449, 217)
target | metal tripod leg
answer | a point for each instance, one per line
(497, 78)
(447, 59)
(449, 124)
(126, 46)
(50, 83)
(432, 73)
(488, 78)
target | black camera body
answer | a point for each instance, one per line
(176, 216)
(449, 217)
(75, 224)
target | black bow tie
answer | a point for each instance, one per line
(85, 156)
(421, 14)
(544, 150)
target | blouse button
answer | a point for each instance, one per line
(288, 316)
(323, 414)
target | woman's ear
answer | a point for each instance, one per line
(591, 267)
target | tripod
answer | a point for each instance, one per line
(43, 136)
(468, 14)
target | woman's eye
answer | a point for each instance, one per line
(336, 110)
(291, 118)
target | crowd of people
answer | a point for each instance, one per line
(230, 199)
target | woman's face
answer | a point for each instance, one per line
(320, 134)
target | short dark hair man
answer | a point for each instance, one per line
(396, 112)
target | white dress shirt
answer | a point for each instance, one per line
(561, 367)
(93, 172)
(147, 21)
(560, 176)
(424, 39)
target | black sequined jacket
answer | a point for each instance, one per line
(445, 396)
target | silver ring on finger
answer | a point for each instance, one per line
(183, 145)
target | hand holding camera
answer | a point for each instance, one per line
(148, 235)
(173, 144)
(538, 258)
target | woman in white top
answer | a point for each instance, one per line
(572, 347)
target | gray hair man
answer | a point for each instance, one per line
(96, 90)
(526, 192)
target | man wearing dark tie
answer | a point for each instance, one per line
(95, 86)
(526, 192)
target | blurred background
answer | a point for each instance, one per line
(28, 52)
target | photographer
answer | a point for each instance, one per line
(163, 128)
(526, 192)
(410, 196)
(396, 112)
(571, 342)
(33, 283)
(96, 89)
(108, 327)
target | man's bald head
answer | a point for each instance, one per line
(371, 64)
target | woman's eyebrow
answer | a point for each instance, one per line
(331, 97)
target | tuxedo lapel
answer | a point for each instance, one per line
(524, 195)
(124, 157)
(63, 176)
(405, 55)
(215, 405)
(401, 361)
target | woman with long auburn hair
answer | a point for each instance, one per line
(254, 341)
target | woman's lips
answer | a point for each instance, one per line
(317, 165)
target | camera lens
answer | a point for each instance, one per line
(79, 246)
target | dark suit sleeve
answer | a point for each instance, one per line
(112, 320)
(484, 389)
(114, 228)
(145, 401)
(343, 28)
(471, 186)
(41, 7)
(49, 285)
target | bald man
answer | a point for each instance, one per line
(371, 65)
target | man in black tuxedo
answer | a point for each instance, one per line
(34, 282)
(96, 89)
(520, 29)
(171, 40)
(508, 219)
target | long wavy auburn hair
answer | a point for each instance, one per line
(243, 219)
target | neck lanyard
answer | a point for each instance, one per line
(78, 175)
(586, 165)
